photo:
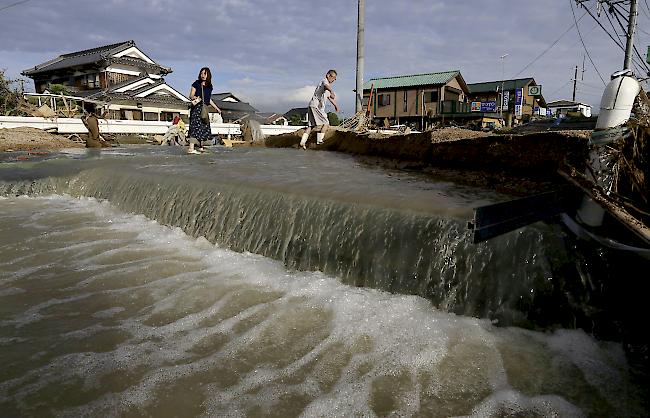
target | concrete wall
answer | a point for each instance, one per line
(68, 126)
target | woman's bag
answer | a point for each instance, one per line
(205, 115)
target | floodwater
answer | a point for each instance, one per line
(115, 302)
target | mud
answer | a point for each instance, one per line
(31, 139)
(509, 163)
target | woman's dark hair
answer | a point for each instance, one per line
(208, 80)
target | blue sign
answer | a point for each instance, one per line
(519, 96)
(488, 106)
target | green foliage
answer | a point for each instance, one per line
(58, 89)
(333, 118)
(10, 96)
(294, 120)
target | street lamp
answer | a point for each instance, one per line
(502, 82)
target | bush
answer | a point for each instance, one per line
(10, 96)
(333, 118)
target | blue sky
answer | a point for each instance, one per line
(272, 53)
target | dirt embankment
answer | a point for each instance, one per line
(510, 163)
(32, 139)
(518, 164)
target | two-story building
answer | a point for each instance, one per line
(510, 98)
(416, 99)
(118, 78)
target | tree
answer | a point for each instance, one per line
(58, 89)
(10, 96)
(333, 118)
(295, 120)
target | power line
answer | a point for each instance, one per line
(13, 4)
(550, 46)
(590, 85)
(613, 10)
(583, 43)
(619, 43)
(606, 31)
(639, 61)
(563, 86)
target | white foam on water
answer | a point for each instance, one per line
(244, 334)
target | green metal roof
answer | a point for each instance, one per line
(411, 80)
(491, 86)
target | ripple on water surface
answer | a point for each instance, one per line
(108, 314)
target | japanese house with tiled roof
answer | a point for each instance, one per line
(122, 79)
(235, 110)
(408, 99)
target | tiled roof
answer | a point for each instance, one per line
(560, 103)
(154, 98)
(147, 87)
(117, 86)
(87, 56)
(238, 106)
(93, 55)
(491, 86)
(137, 62)
(300, 111)
(411, 80)
(221, 96)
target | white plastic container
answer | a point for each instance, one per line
(618, 99)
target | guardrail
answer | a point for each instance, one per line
(68, 126)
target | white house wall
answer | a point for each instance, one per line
(69, 126)
(167, 89)
(122, 69)
(134, 52)
(134, 86)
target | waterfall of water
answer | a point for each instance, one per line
(517, 279)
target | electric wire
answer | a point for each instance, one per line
(563, 86)
(603, 28)
(590, 85)
(13, 4)
(618, 37)
(583, 43)
(549, 47)
(638, 60)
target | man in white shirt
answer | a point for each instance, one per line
(316, 114)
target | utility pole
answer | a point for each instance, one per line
(575, 81)
(503, 75)
(361, 26)
(631, 26)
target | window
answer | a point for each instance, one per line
(431, 97)
(151, 116)
(405, 101)
(384, 99)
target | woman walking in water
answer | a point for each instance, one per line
(200, 95)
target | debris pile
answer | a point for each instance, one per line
(632, 167)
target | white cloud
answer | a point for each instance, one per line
(302, 94)
(266, 51)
